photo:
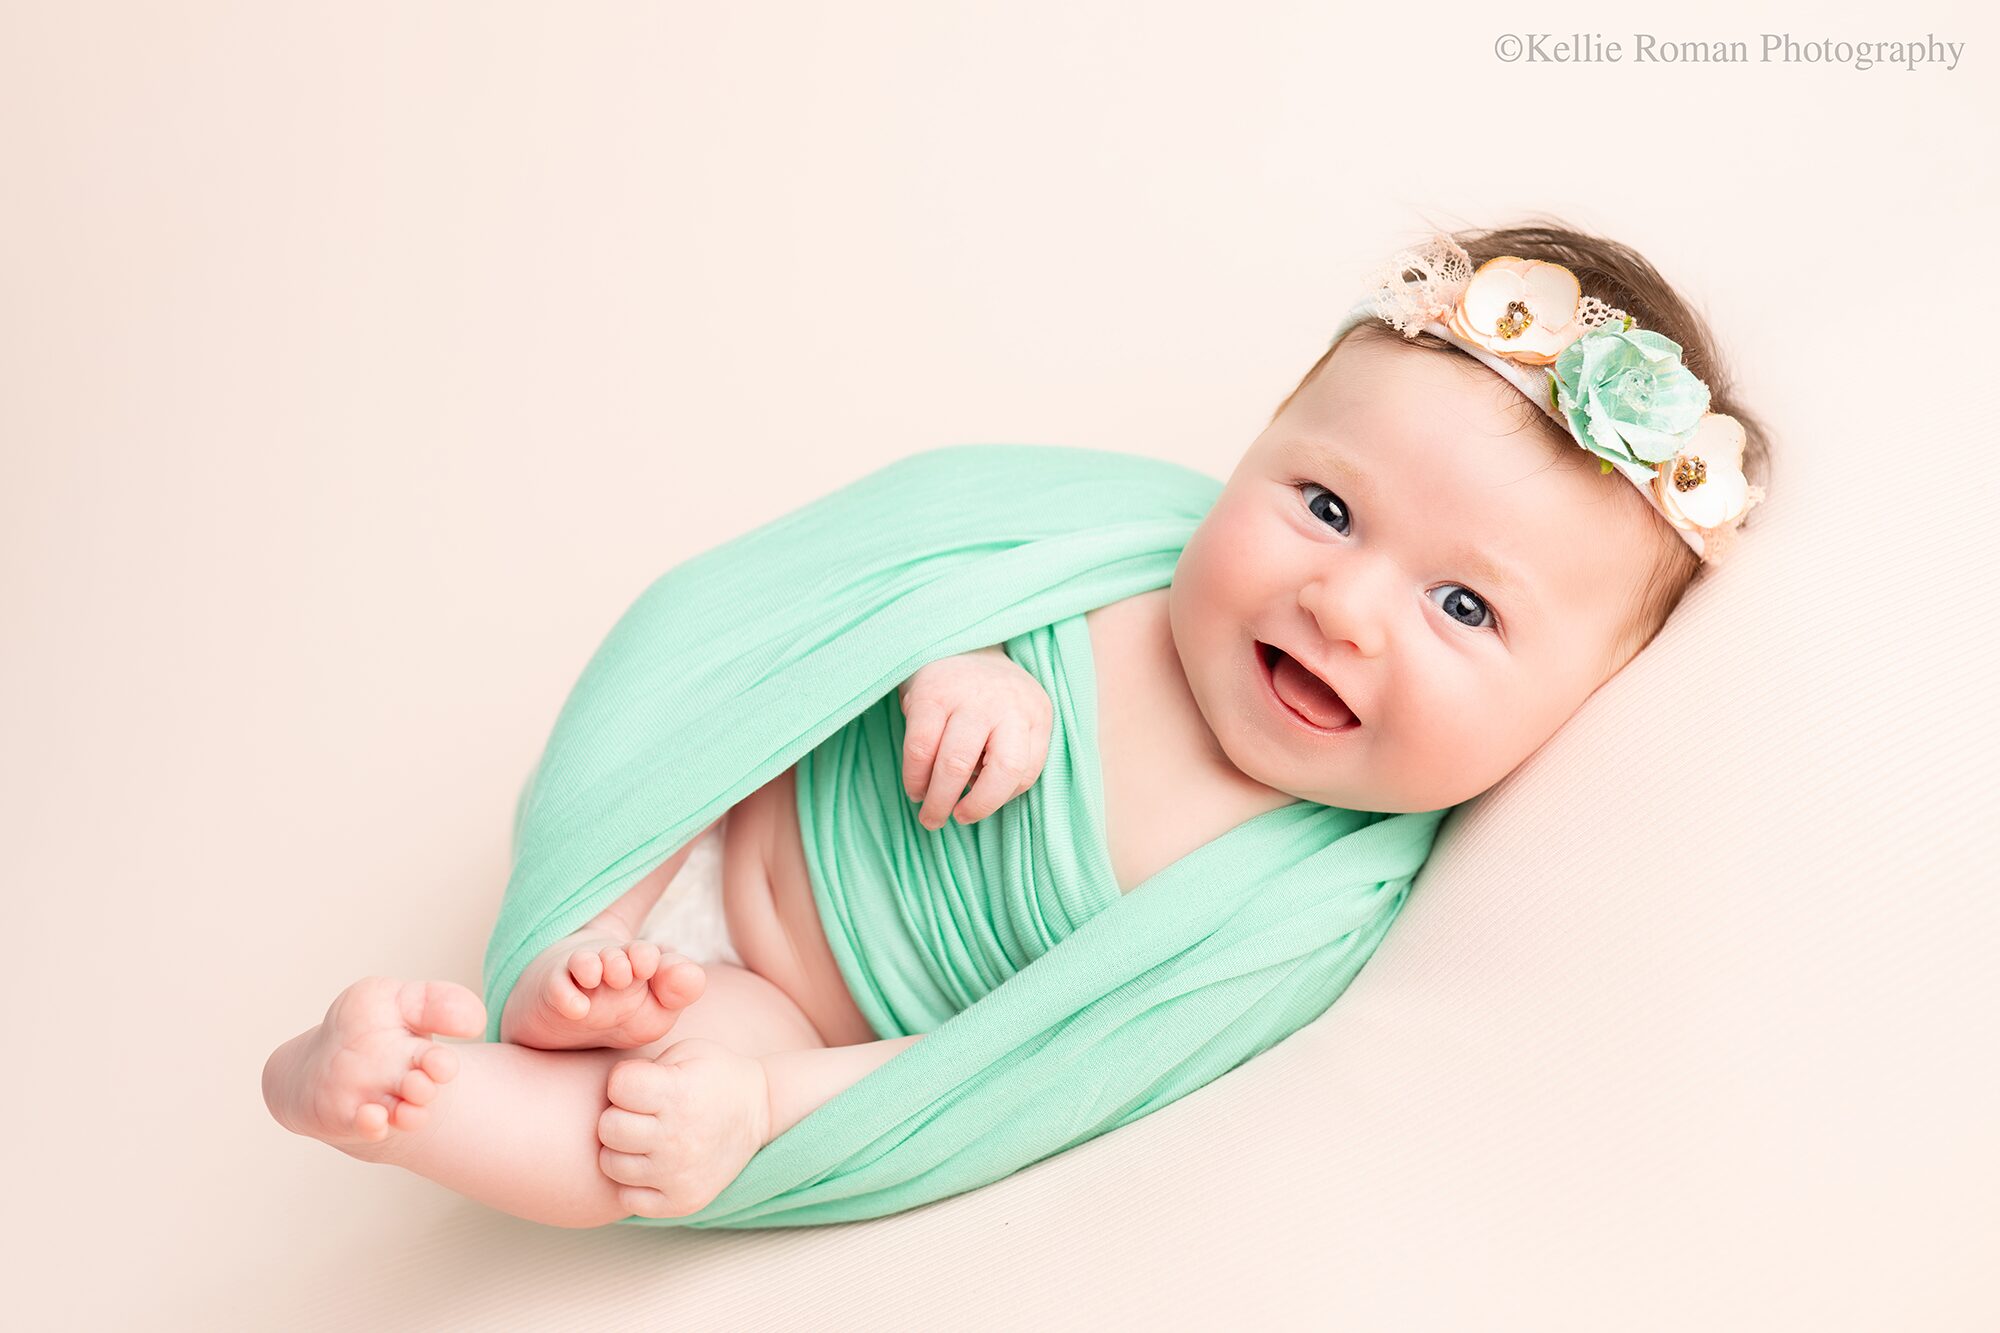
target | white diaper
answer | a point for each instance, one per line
(688, 919)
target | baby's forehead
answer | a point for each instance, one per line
(1455, 464)
(1508, 513)
(1417, 379)
(1464, 471)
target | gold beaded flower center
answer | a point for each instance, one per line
(1515, 322)
(1689, 472)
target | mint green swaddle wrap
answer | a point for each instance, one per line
(1056, 1009)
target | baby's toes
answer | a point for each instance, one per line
(408, 1116)
(627, 1131)
(644, 956)
(560, 992)
(642, 1202)
(441, 1006)
(417, 1088)
(586, 968)
(371, 1122)
(625, 1168)
(638, 1085)
(617, 967)
(679, 982)
(439, 1063)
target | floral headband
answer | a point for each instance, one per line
(1619, 389)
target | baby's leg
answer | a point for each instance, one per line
(512, 1127)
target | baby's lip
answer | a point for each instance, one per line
(1268, 649)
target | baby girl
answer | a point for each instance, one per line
(1480, 504)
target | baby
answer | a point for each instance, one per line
(1418, 571)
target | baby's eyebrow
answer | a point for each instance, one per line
(1513, 585)
(1310, 454)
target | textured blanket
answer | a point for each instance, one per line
(1056, 1008)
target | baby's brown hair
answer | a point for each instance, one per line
(1619, 276)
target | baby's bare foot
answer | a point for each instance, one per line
(594, 990)
(368, 1069)
(682, 1125)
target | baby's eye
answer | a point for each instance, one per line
(1330, 505)
(1465, 606)
(1465, 599)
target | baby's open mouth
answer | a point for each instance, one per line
(1311, 699)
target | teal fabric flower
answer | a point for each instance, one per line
(1626, 395)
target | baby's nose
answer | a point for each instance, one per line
(1350, 608)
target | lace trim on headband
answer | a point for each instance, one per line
(1415, 286)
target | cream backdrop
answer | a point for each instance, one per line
(359, 363)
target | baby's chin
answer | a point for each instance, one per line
(1354, 791)
(1283, 777)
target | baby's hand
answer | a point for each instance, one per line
(960, 709)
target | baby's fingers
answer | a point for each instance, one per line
(964, 740)
(923, 729)
(1004, 774)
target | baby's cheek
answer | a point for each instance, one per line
(1436, 757)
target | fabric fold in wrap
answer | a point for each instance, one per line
(973, 904)
(1056, 1009)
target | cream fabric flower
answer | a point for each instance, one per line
(1522, 309)
(1702, 487)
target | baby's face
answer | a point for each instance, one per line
(1364, 533)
